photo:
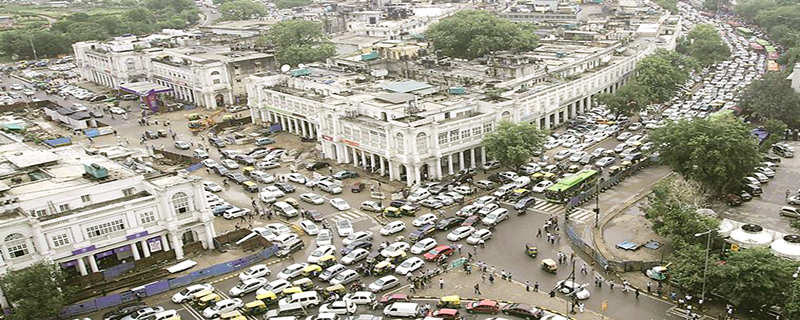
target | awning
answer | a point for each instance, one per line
(144, 88)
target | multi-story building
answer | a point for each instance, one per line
(87, 213)
(546, 10)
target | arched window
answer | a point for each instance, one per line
(215, 77)
(422, 142)
(180, 202)
(400, 143)
(17, 247)
(130, 63)
(506, 116)
(214, 73)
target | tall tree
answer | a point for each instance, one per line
(718, 154)
(288, 4)
(776, 130)
(628, 100)
(687, 267)
(660, 73)
(705, 45)
(37, 292)
(672, 209)
(471, 34)
(772, 97)
(242, 10)
(754, 277)
(513, 144)
(299, 41)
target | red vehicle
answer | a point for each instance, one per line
(435, 253)
(389, 299)
(471, 221)
(446, 314)
(483, 306)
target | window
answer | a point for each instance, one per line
(127, 192)
(399, 143)
(216, 81)
(443, 138)
(105, 228)
(453, 135)
(506, 116)
(476, 131)
(60, 240)
(180, 202)
(465, 134)
(17, 247)
(39, 212)
(422, 142)
(63, 207)
(487, 127)
(86, 198)
(147, 217)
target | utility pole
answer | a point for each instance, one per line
(597, 204)
(35, 57)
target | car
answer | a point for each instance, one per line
(182, 145)
(275, 286)
(423, 245)
(345, 277)
(479, 235)
(524, 203)
(483, 306)
(331, 272)
(761, 177)
(309, 227)
(431, 203)
(313, 215)
(293, 270)
(484, 184)
(449, 222)
(220, 209)
(357, 236)
(344, 174)
(605, 162)
(297, 178)
(444, 199)
(471, 221)
(394, 248)
(457, 197)
(317, 165)
(237, 177)
(247, 286)
(371, 206)
(211, 186)
(484, 200)
(356, 245)
(392, 228)
(346, 307)
(344, 227)
(360, 298)
(222, 306)
(229, 164)
(751, 180)
(437, 252)
(320, 252)
(460, 233)
(117, 110)
(483, 211)
(383, 283)
(428, 218)
(285, 187)
(541, 186)
(235, 213)
(255, 271)
(273, 190)
(577, 156)
(495, 217)
(523, 311)
(340, 204)
(620, 147)
(464, 190)
(268, 165)
(324, 238)
(312, 198)
(467, 211)
(568, 287)
(278, 228)
(793, 200)
(355, 256)
(409, 266)
(188, 293)
(397, 297)
(143, 313)
(563, 154)
(624, 136)
(491, 165)
(210, 163)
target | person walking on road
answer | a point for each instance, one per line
(536, 286)
(477, 289)
(527, 285)
(441, 284)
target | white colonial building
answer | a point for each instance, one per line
(87, 213)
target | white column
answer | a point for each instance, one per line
(303, 127)
(461, 160)
(93, 263)
(355, 157)
(363, 160)
(383, 166)
(135, 251)
(483, 154)
(417, 175)
(450, 164)
(82, 267)
(391, 171)
(472, 157)
(146, 248)
(176, 243)
(210, 235)
(409, 176)
(371, 160)
(283, 123)
(164, 243)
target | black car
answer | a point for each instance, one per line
(313, 215)
(523, 311)
(97, 98)
(356, 245)
(285, 187)
(498, 178)
(317, 165)
(150, 134)
(397, 203)
(525, 203)
(290, 248)
(237, 177)
(123, 312)
(221, 170)
(449, 222)
(216, 142)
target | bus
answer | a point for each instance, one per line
(570, 186)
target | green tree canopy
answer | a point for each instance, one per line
(660, 74)
(513, 144)
(754, 277)
(772, 97)
(672, 209)
(471, 34)
(242, 10)
(25, 290)
(299, 41)
(628, 100)
(687, 266)
(669, 5)
(705, 45)
(718, 154)
(776, 130)
(288, 4)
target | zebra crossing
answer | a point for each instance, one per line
(577, 214)
(580, 215)
(353, 215)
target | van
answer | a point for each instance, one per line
(267, 197)
(791, 212)
(261, 176)
(402, 309)
(285, 310)
(419, 194)
(329, 187)
(306, 299)
(264, 141)
(522, 181)
(484, 184)
(286, 209)
(504, 189)
(285, 239)
(200, 154)
(752, 189)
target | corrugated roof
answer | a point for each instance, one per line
(406, 86)
(395, 97)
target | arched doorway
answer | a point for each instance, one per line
(188, 237)
(424, 172)
(220, 100)
(403, 172)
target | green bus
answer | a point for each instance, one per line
(570, 186)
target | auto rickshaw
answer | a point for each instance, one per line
(408, 210)
(233, 315)
(519, 193)
(449, 302)
(193, 116)
(312, 270)
(246, 171)
(327, 261)
(372, 258)
(391, 212)
(531, 250)
(612, 170)
(254, 308)
(268, 297)
(304, 283)
(397, 257)
(208, 300)
(162, 133)
(292, 202)
(290, 291)
(658, 273)
(199, 295)
(337, 289)
(573, 168)
(549, 265)
(383, 267)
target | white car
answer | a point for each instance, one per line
(321, 252)
(344, 227)
(424, 245)
(563, 154)
(292, 271)
(567, 287)
(247, 286)
(478, 235)
(394, 248)
(222, 306)
(464, 190)
(230, 164)
(211, 186)
(116, 110)
(355, 256)
(605, 162)
(484, 200)
(454, 195)
(541, 186)
(424, 219)
(444, 199)
(255, 271)
(324, 238)
(275, 191)
(210, 163)
(233, 213)
(297, 178)
(575, 157)
(371, 206)
(312, 198)
(357, 236)
(360, 297)
(346, 307)
(460, 233)
(309, 227)
(384, 283)
(275, 286)
(488, 208)
(495, 217)
(340, 204)
(345, 277)
(331, 272)
(278, 228)
(409, 265)
(392, 228)
(188, 293)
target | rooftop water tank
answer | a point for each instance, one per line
(95, 170)
(751, 236)
(787, 247)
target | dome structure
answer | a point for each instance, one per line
(751, 236)
(787, 247)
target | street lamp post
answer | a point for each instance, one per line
(705, 270)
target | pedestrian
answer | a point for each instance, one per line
(648, 286)
(527, 285)
(477, 289)
(787, 193)
(611, 284)
(503, 274)
(411, 287)
(475, 248)
(483, 277)
(637, 293)
(509, 276)
(625, 286)
(536, 286)
(491, 279)
(491, 270)
(583, 269)
(539, 234)
(459, 248)
(441, 284)
(581, 306)
(482, 243)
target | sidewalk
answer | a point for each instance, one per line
(457, 282)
